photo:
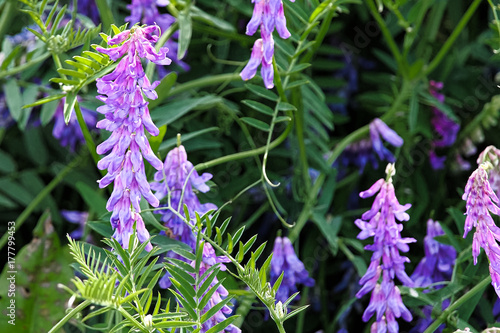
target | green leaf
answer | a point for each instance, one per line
(262, 92)
(259, 124)
(7, 163)
(413, 115)
(168, 113)
(69, 106)
(223, 324)
(258, 107)
(13, 98)
(197, 13)
(224, 225)
(185, 137)
(92, 197)
(10, 57)
(102, 228)
(297, 68)
(282, 106)
(163, 89)
(185, 31)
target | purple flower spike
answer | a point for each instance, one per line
(126, 115)
(437, 265)
(481, 200)
(380, 222)
(285, 260)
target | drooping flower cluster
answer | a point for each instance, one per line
(126, 115)
(285, 260)
(481, 202)
(446, 128)
(146, 12)
(78, 218)
(268, 15)
(177, 181)
(71, 134)
(209, 260)
(437, 265)
(380, 222)
(366, 150)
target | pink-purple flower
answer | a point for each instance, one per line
(268, 15)
(146, 12)
(386, 262)
(286, 261)
(127, 117)
(481, 202)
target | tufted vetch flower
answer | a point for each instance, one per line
(285, 261)
(127, 117)
(386, 262)
(481, 202)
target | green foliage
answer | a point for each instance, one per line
(38, 270)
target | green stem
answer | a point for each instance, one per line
(454, 35)
(459, 302)
(70, 315)
(388, 37)
(86, 134)
(39, 198)
(24, 66)
(7, 14)
(323, 30)
(245, 154)
(194, 84)
(495, 15)
(105, 13)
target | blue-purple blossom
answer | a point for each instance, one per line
(481, 202)
(146, 12)
(379, 130)
(437, 265)
(89, 9)
(6, 119)
(126, 116)
(208, 260)
(446, 128)
(70, 135)
(79, 218)
(268, 15)
(285, 260)
(386, 262)
(366, 151)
